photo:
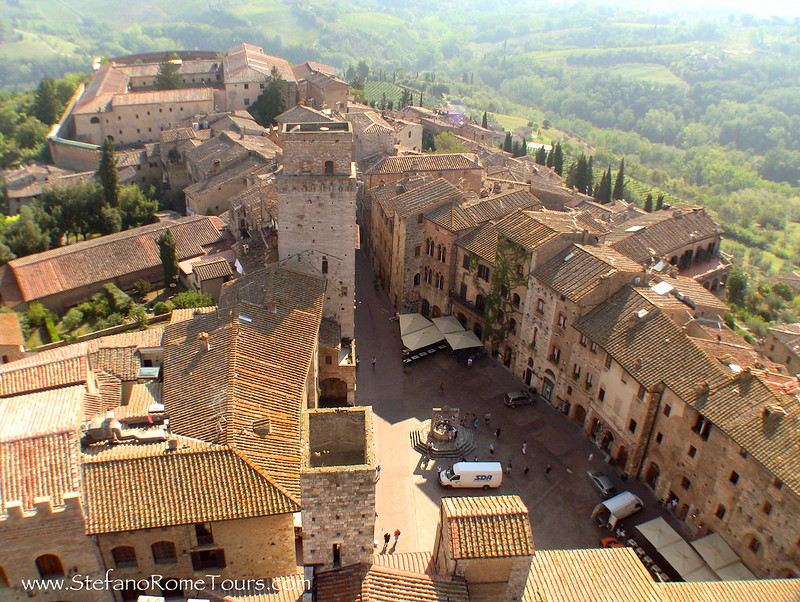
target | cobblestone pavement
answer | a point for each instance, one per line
(408, 497)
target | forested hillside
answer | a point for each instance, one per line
(705, 108)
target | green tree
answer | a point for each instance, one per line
(589, 176)
(541, 155)
(272, 101)
(362, 69)
(107, 173)
(551, 157)
(168, 76)
(169, 256)
(648, 203)
(45, 104)
(31, 133)
(192, 298)
(485, 120)
(23, 236)
(659, 202)
(508, 144)
(136, 207)
(737, 286)
(447, 143)
(558, 159)
(602, 193)
(619, 183)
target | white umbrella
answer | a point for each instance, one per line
(463, 340)
(447, 324)
(422, 338)
(715, 551)
(658, 532)
(412, 322)
(704, 573)
(682, 557)
(735, 572)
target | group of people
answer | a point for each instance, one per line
(386, 539)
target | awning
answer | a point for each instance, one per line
(422, 338)
(658, 532)
(463, 340)
(704, 573)
(715, 551)
(448, 324)
(735, 572)
(413, 322)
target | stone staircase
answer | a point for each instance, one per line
(463, 446)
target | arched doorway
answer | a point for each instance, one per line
(548, 383)
(652, 474)
(507, 357)
(436, 312)
(714, 284)
(528, 375)
(478, 330)
(579, 415)
(426, 308)
(622, 457)
(462, 319)
(333, 393)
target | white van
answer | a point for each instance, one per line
(472, 474)
(613, 510)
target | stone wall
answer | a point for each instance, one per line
(59, 531)
(337, 483)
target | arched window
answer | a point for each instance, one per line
(94, 120)
(754, 545)
(49, 566)
(324, 265)
(328, 168)
(444, 255)
(512, 326)
(503, 291)
(439, 252)
(479, 302)
(515, 300)
(124, 557)
(164, 552)
(416, 279)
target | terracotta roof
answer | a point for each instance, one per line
(285, 588)
(648, 345)
(697, 293)
(774, 590)
(142, 397)
(763, 423)
(368, 122)
(741, 354)
(411, 562)
(10, 331)
(661, 233)
(30, 180)
(260, 202)
(481, 241)
(109, 387)
(530, 229)
(129, 486)
(107, 257)
(487, 527)
(255, 370)
(163, 97)
(302, 114)
(245, 62)
(208, 270)
(223, 150)
(424, 197)
(39, 446)
(341, 585)
(241, 168)
(97, 94)
(457, 216)
(414, 163)
(788, 334)
(50, 369)
(330, 333)
(610, 575)
(180, 133)
(579, 270)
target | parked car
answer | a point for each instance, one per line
(602, 483)
(611, 542)
(513, 399)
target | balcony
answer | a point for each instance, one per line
(467, 304)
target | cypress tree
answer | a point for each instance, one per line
(508, 144)
(660, 202)
(648, 203)
(558, 159)
(108, 175)
(551, 157)
(485, 121)
(589, 177)
(619, 184)
(169, 256)
(541, 156)
(168, 77)
(45, 104)
(607, 189)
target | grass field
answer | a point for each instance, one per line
(649, 72)
(509, 122)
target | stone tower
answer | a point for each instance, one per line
(317, 209)
(337, 486)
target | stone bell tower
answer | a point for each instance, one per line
(316, 191)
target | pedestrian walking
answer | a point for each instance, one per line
(386, 538)
(487, 417)
(508, 468)
(469, 363)
(476, 458)
(524, 448)
(396, 535)
(526, 470)
(591, 455)
(374, 361)
(497, 433)
(475, 422)
(491, 449)
(547, 470)
(358, 362)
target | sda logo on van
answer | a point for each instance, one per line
(483, 477)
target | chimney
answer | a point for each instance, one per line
(205, 345)
(703, 389)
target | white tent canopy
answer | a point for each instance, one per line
(412, 322)
(658, 532)
(704, 573)
(735, 572)
(465, 339)
(422, 338)
(682, 557)
(448, 324)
